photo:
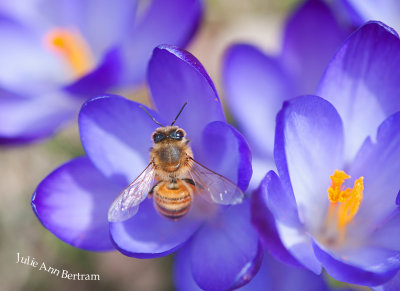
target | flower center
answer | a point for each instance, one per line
(72, 47)
(345, 202)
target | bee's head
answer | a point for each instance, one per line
(172, 133)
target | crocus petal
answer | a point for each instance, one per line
(116, 135)
(148, 235)
(386, 11)
(312, 37)
(362, 265)
(27, 67)
(25, 119)
(221, 258)
(173, 22)
(226, 152)
(308, 149)
(368, 93)
(392, 285)
(264, 222)
(72, 202)
(387, 235)
(255, 83)
(175, 74)
(274, 275)
(378, 164)
(101, 79)
(183, 278)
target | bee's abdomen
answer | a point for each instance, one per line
(172, 200)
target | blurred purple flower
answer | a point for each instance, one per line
(72, 202)
(57, 54)
(355, 235)
(255, 84)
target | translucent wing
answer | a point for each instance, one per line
(214, 187)
(127, 203)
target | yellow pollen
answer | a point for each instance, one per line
(73, 47)
(344, 202)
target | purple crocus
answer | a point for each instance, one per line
(335, 202)
(72, 202)
(57, 54)
(256, 84)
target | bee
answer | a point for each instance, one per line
(172, 178)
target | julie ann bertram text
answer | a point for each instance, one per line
(64, 274)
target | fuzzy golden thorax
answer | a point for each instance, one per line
(170, 153)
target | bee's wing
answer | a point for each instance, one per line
(127, 203)
(214, 187)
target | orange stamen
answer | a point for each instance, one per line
(73, 47)
(345, 201)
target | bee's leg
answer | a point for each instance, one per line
(152, 189)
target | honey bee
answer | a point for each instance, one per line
(172, 178)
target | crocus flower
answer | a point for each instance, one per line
(335, 201)
(256, 84)
(57, 54)
(72, 202)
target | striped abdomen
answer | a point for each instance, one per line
(172, 199)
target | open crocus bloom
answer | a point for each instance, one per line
(335, 201)
(72, 202)
(57, 54)
(256, 84)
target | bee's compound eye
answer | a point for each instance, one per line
(179, 134)
(157, 137)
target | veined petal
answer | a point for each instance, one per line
(221, 258)
(312, 36)
(366, 71)
(72, 202)
(308, 148)
(173, 22)
(116, 135)
(175, 77)
(255, 87)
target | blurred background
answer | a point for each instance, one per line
(258, 22)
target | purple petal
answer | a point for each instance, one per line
(72, 202)
(148, 235)
(308, 149)
(225, 151)
(281, 203)
(100, 80)
(221, 258)
(176, 77)
(116, 135)
(183, 278)
(366, 71)
(386, 11)
(274, 275)
(312, 37)
(255, 87)
(26, 119)
(387, 234)
(264, 222)
(378, 164)
(364, 265)
(392, 285)
(173, 22)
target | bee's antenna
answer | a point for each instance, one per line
(179, 113)
(144, 109)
